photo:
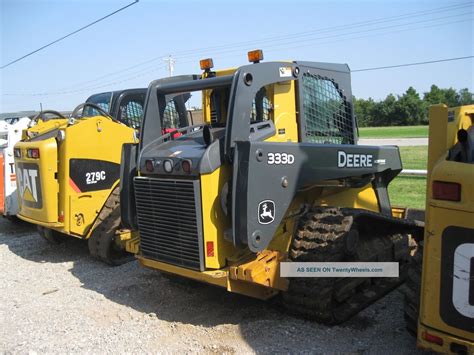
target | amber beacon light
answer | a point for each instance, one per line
(206, 64)
(255, 56)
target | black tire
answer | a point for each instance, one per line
(411, 291)
(102, 244)
(50, 235)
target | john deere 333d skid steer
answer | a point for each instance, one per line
(274, 174)
(68, 170)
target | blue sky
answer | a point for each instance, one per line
(109, 55)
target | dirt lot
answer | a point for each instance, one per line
(55, 298)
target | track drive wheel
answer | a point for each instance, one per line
(102, 243)
(327, 234)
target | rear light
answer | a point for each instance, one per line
(186, 164)
(432, 338)
(210, 248)
(17, 152)
(149, 165)
(61, 217)
(448, 191)
(33, 153)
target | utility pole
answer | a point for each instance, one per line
(170, 61)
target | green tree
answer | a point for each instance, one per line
(409, 109)
(434, 96)
(465, 97)
(363, 111)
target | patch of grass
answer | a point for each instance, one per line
(394, 132)
(414, 157)
(408, 191)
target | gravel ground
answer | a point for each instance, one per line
(55, 298)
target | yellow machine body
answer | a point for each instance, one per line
(257, 275)
(53, 195)
(447, 292)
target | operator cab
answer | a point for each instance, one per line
(124, 105)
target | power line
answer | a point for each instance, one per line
(153, 68)
(412, 64)
(291, 36)
(304, 42)
(281, 44)
(221, 48)
(87, 85)
(69, 34)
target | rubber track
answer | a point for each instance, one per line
(411, 291)
(321, 236)
(101, 243)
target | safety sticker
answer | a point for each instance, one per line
(285, 72)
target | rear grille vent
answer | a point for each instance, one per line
(169, 221)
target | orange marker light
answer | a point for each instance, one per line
(206, 64)
(255, 56)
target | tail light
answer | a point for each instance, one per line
(33, 153)
(432, 338)
(448, 191)
(210, 249)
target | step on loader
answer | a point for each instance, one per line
(274, 174)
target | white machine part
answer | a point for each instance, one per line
(10, 134)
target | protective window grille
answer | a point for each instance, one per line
(261, 107)
(170, 116)
(90, 111)
(327, 114)
(132, 114)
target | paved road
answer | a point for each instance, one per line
(394, 141)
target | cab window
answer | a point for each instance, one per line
(131, 113)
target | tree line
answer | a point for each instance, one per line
(409, 108)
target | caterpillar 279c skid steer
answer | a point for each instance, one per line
(273, 175)
(68, 170)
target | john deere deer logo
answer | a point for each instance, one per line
(266, 212)
(29, 186)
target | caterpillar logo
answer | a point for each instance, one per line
(29, 185)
